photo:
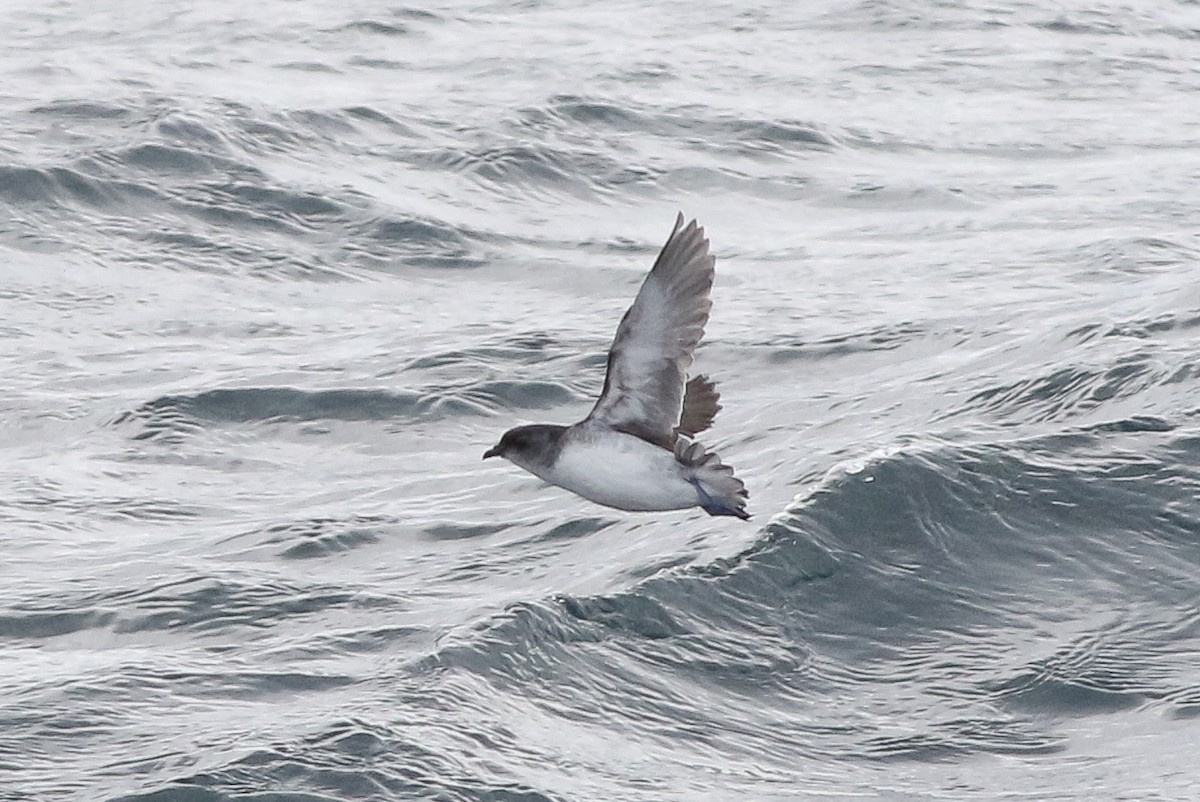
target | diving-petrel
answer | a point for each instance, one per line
(635, 450)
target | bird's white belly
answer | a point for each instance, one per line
(622, 471)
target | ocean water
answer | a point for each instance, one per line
(274, 275)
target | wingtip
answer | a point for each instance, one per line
(681, 222)
(692, 231)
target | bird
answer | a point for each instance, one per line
(636, 450)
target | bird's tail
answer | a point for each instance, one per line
(720, 492)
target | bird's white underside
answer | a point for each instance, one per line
(622, 471)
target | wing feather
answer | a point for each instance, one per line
(652, 351)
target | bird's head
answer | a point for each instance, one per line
(528, 446)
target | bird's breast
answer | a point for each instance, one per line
(622, 471)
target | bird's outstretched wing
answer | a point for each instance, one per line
(648, 362)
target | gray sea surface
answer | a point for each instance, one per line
(273, 276)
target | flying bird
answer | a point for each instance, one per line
(636, 449)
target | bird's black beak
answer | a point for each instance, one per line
(494, 451)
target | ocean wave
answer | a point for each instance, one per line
(345, 760)
(172, 416)
(1070, 392)
(918, 568)
(1125, 255)
(700, 127)
(199, 177)
(873, 339)
(197, 602)
(316, 538)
